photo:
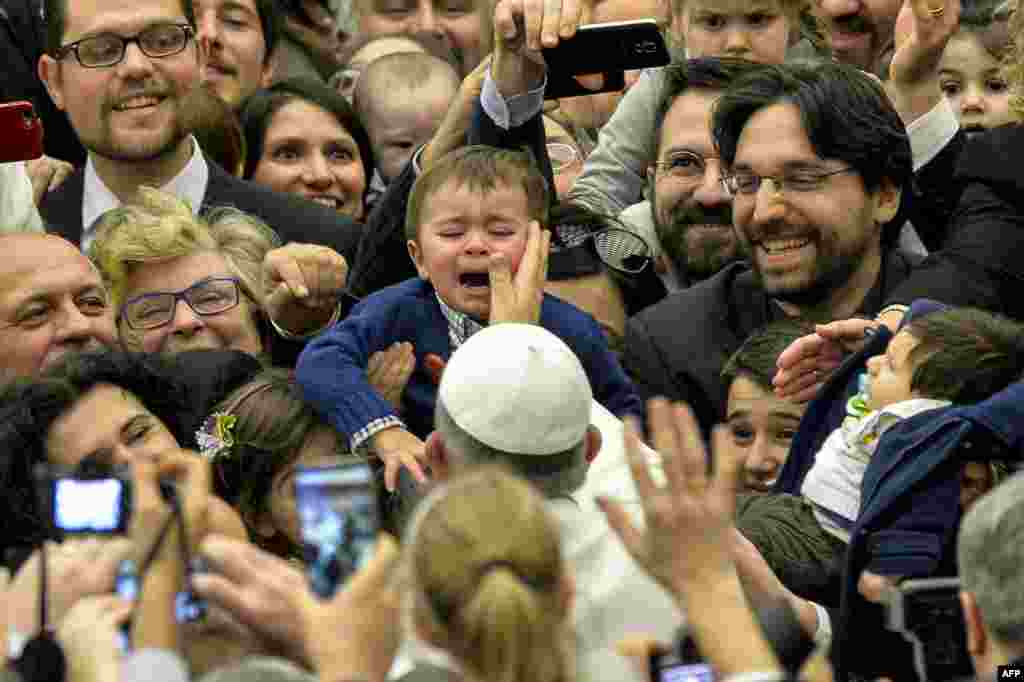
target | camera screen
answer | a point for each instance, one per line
(85, 506)
(687, 672)
(338, 514)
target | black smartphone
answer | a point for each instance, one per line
(669, 667)
(683, 664)
(21, 132)
(90, 506)
(609, 49)
(927, 614)
(340, 517)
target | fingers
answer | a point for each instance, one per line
(663, 440)
(313, 274)
(317, 14)
(637, 460)
(806, 346)
(533, 22)
(621, 523)
(378, 573)
(845, 330)
(551, 25)
(692, 454)
(725, 483)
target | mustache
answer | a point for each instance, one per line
(851, 23)
(699, 215)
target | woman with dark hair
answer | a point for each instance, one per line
(92, 414)
(303, 138)
(256, 437)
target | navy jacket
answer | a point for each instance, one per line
(332, 368)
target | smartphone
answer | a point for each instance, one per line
(927, 614)
(99, 506)
(610, 49)
(684, 664)
(339, 516)
(669, 667)
(21, 132)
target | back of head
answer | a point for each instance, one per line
(990, 551)
(217, 130)
(846, 115)
(515, 394)
(488, 576)
(481, 169)
(260, 670)
(965, 355)
(398, 77)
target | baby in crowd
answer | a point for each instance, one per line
(475, 211)
(947, 356)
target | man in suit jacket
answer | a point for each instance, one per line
(131, 113)
(819, 240)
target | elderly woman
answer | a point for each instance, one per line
(225, 266)
(303, 138)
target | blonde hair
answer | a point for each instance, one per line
(486, 562)
(159, 227)
(1013, 65)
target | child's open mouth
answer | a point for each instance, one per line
(475, 280)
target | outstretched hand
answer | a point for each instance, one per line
(805, 365)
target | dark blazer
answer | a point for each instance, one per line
(294, 219)
(332, 368)
(678, 347)
(979, 259)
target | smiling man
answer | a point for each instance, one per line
(817, 161)
(860, 32)
(237, 38)
(126, 72)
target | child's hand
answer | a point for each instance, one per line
(398, 448)
(389, 370)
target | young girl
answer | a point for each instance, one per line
(970, 73)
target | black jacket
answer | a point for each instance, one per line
(677, 348)
(979, 259)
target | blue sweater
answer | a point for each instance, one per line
(332, 368)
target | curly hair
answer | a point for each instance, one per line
(30, 406)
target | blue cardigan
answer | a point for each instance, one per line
(332, 368)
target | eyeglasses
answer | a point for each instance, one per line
(209, 297)
(684, 166)
(747, 183)
(619, 249)
(108, 49)
(562, 156)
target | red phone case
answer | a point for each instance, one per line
(21, 132)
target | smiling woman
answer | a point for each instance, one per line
(303, 138)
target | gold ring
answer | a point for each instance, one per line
(937, 11)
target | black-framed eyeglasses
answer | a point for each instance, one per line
(619, 249)
(748, 183)
(108, 49)
(684, 165)
(208, 297)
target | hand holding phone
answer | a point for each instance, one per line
(927, 614)
(340, 516)
(21, 132)
(610, 49)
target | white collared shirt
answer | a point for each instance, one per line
(97, 199)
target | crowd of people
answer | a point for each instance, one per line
(716, 377)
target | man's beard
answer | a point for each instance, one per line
(714, 249)
(831, 272)
(126, 151)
